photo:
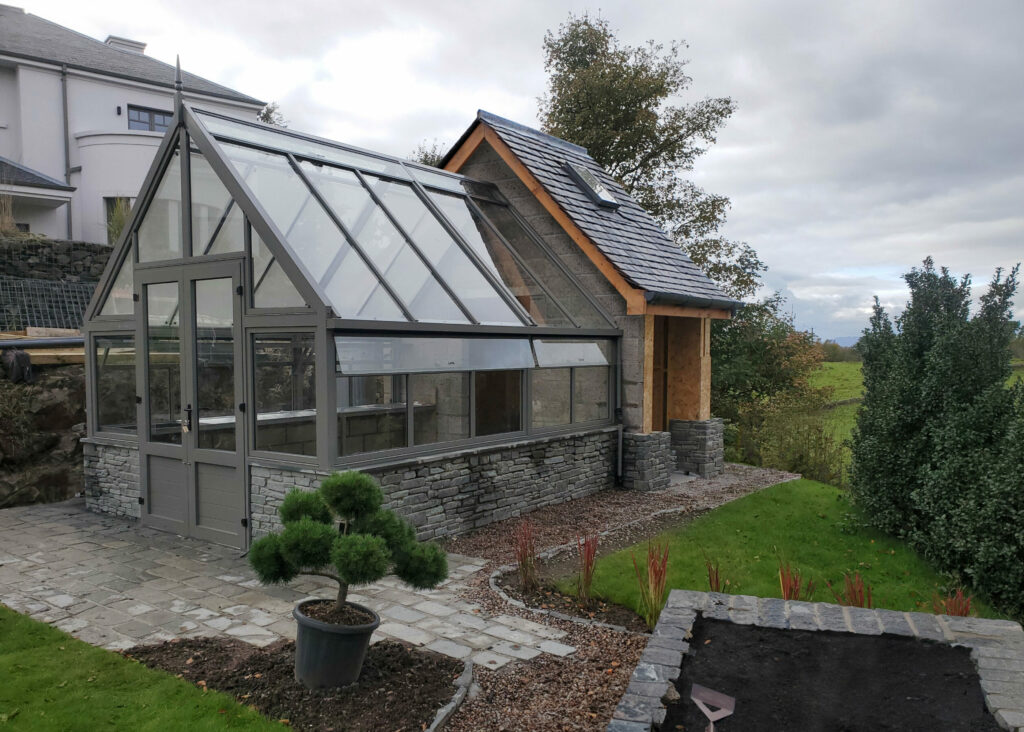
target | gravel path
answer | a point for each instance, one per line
(579, 692)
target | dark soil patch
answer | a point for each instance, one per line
(326, 611)
(549, 597)
(399, 688)
(805, 680)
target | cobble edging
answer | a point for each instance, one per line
(997, 647)
(455, 493)
(446, 712)
(111, 477)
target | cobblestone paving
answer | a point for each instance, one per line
(115, 584)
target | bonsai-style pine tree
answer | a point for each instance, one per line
(340, 531)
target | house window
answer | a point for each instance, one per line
(153, 120)
(23, 228)
(117, 210)
(285, 385)
(115, 383)
(499, 402)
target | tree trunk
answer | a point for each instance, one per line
(342, 595)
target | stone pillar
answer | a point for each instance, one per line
(699, 446)
(647, 461)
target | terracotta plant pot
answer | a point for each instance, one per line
(328, 655)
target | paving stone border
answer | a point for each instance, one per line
(997, 647)
(445, 713)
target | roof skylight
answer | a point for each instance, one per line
(592, 185)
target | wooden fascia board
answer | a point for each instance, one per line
(635, 302)
(681, 311)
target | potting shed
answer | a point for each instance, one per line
(280, 306)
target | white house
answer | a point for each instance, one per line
(80, 122)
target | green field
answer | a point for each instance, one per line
(52, 681)
(844, 378)
(802, 522)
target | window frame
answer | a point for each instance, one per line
(92, 400)
(252, 413)
(151, 121)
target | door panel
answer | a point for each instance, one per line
(193, 465)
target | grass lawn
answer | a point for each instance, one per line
(844, 377)
(52, 681)
(799, 521)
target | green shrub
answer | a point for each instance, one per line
(339, 531)
(937, 452)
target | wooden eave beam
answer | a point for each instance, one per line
(636, 303)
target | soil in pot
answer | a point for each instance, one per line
(327, 611)
(806, 680)
(399, 688)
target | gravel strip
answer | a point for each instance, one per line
(580, 691)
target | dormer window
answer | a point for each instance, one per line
(592, 186)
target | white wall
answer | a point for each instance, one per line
(113, 159)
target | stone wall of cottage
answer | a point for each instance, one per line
(445, 495)
(112, 479)
(699, 446)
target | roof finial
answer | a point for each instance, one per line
(177, 74)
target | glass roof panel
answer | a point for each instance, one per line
(384, 245)
(405, 354)
(119, 299)
(570, 297)
(282, 140)
(443, 252)
(492, 250)
(572, 353)
(310, 233)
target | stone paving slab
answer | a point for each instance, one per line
(113, 583)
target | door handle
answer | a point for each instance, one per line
(188, 418)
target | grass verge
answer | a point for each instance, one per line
(52, 681)
(802, 522)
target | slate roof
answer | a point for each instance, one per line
(16, 174)
(628, 236)
(29, 36)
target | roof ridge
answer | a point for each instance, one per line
(486, 116)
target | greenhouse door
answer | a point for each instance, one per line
(190, 378)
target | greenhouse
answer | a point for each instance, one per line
(280, 306)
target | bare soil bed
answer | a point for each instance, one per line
(804, 680)
(399, 688)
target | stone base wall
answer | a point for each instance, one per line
(699, 446)
(447, 495)
(112, 479)
(53, 259)
(647, 461)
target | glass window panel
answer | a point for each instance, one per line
(380, 306)
(499, 400)
(216, 220)
(549, 397)
(372, 413)
(312, 237)
(569, 295)
(119, 299)
(164, 362)
(272, 287)
(160, 232)
(590, 393)
(402, 354)
(285, 391)
(443, 252)
(215, 364)
(492, 250)
(115, 383)
(572, 353)
(440, 407)
(435, 178)
(384, 245)
(285, 141)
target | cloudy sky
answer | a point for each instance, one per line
(867, 136)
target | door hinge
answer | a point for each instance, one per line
(241, 407)
(245, 523)
(239, 290)
(142, 501)
(135, 296)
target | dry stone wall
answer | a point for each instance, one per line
(112, 479)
